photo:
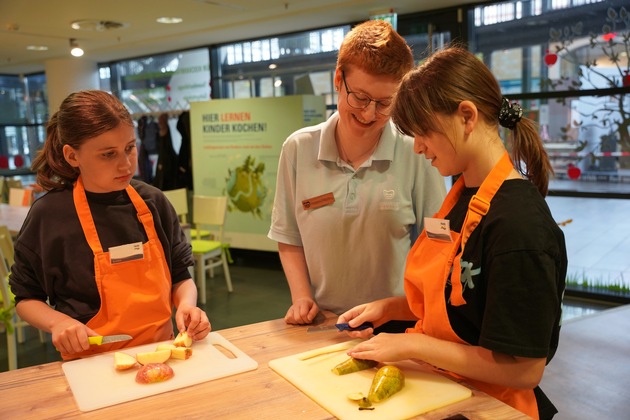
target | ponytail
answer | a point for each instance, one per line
(53, 171)
(450, 76)
(529, 155)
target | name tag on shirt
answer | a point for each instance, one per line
(438, 229)
(128, 252)
(319, 201)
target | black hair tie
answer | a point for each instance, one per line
(509, 114)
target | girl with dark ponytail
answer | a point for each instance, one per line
(485, 279)
(101, 253)
(81, 116)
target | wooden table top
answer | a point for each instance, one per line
(43, 392)
(13, 216)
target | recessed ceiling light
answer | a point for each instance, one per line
(37, 48)
(169, 19)
(272, 66)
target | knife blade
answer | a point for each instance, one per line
(340, 327)
(100, 339)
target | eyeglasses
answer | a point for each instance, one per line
(361, 101)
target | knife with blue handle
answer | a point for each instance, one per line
(340, 327)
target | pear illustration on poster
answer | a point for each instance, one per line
(246, 189)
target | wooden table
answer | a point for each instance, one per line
(43, 391)
(13, 217)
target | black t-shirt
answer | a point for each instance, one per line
(54, 261)
(517, 265)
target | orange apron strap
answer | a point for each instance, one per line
(477, 208)
(451, 198)
(85, 216)
(144, 214)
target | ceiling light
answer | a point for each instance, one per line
(75, 50)
(36, 47)
(169, 19)
(97, 25)
(273, 66)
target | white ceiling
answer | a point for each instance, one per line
(205, 22)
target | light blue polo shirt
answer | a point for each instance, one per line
(355, 247)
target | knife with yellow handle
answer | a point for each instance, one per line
(107, 339)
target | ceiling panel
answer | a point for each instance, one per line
(48, 23)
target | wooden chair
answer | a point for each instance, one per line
(4, 194)
(14, 183)
(20, 197)
(8, 254)
(15, 324)
(209, 213)
(7, 184)
(179, 200)
(7, 305)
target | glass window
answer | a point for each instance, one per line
(12, 107)
(568, 69)
(167, 82)
(23, 112)
(242, 89)
(278, 66)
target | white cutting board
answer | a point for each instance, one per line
(423, 391)
(96, 384)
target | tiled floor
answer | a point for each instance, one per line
(598, 243)
(598, 238)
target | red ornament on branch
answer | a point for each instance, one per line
(18, 161)
(573, 171)
(550, 58)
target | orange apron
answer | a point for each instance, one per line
(136, 294)
(429, 265)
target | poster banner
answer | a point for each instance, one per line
(236, 145)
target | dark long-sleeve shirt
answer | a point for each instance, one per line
(54, 261)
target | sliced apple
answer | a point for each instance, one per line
(159, 356)
(166, 346)
(123, 361)
(181, 353)
(154, 372)
(183, 340)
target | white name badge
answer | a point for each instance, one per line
(128, 252)
(438, 229)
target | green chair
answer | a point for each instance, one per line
(209, 252)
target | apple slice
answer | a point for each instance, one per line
(183, 340)
(154, 372)
(181, 353)
(123, 361)
(159, 356)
